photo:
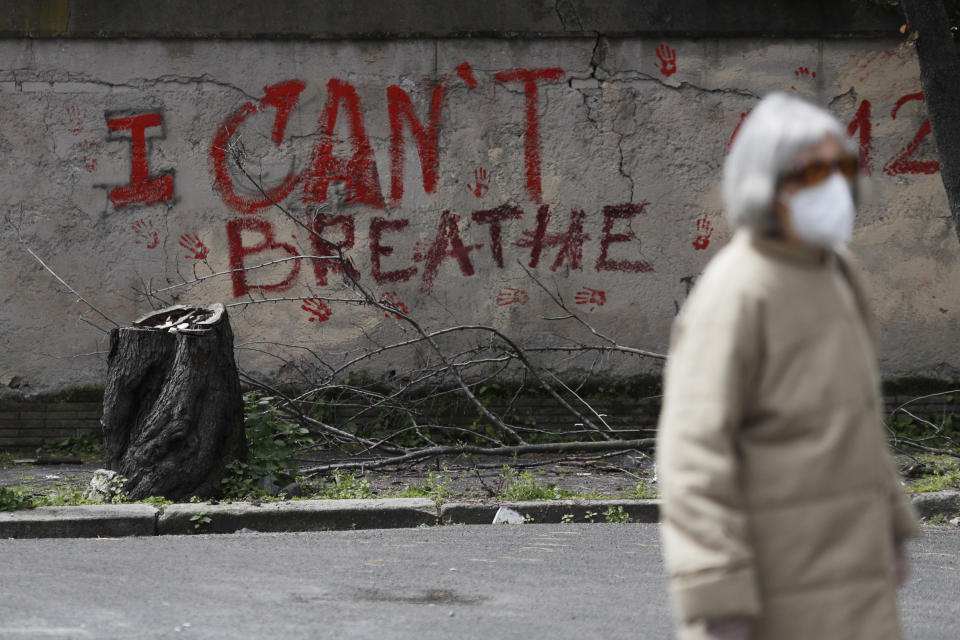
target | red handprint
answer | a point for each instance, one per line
(193, 243)
(668, 60)
(90, 147)
(594, 297)
(482, 182)
(75, 117)
(392, 298)
(512, 296)
(803, 72)
(146, 234)
(318, 309)
(704, 230)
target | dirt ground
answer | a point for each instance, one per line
(487, 478)
(476, 479)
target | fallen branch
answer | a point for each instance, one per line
(516, 450)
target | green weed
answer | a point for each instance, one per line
(157, 502)
(344, 486)
(14, 499)
(518, 487)
(272, 443)
(642, 491)
(62, 496)
(616, 514)
(201, 521)
(937, 482)
(87, 446)
(433, 487)
(944, 473)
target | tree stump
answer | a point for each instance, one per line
(172, 409)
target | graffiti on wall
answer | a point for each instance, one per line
(539, 235)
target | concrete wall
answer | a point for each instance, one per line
(444, 166)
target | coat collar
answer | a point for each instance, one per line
(777, 249)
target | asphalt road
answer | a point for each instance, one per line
(526, 581)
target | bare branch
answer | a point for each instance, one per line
(80, 298)
(557, 300)
(431, 452)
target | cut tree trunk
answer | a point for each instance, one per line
(172, 409)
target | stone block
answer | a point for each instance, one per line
(297, 515)
(85, 521)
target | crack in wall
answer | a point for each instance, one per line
(629, 178)
(54, 78)
(635, 77)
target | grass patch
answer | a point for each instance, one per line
(944, 474)
(643, 491)
(343, 486)
(157, 502)
(522, 487)
(433, 487)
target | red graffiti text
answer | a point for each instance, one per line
(142, 189)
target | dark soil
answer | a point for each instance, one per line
(475, 479)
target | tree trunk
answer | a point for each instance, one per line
(172, 410)
(940, 79)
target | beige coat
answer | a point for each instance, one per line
(781, 500)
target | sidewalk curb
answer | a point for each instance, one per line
(121, 520)
(92, 521)
(935, 503)
(84, 521)
(551, 511)
(297, 515)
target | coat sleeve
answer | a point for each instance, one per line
(715, 356)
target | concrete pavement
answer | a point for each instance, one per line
(558, 581)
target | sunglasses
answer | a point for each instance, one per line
(819, 170)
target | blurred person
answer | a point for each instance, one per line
(783, 514)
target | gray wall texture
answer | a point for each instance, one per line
(583, 143)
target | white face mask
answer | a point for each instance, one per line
(823, 215)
